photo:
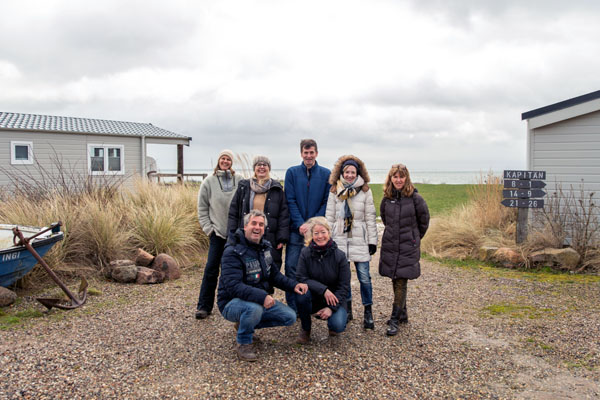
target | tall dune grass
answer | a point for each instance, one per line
(103, 226)
(482, 221)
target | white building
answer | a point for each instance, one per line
(32, 145)
(563, 139)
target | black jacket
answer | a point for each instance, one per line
(406, 220)
(248, 273)
(276, 209)
(325, 269)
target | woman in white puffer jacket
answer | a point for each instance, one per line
(351, 214)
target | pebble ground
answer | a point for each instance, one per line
(143, 342)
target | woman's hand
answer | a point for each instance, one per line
(330, 298)
(324, 313)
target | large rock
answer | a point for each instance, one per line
(107, 271)
(167, 265)
(7, 297)
(563, 258)
(147, 275)
(486, 253)
(124, 273)
(507, 255)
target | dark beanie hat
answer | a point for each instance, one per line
(351, 162)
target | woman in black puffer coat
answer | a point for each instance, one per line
(264, 194)
(406, 219)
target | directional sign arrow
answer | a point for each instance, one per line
(519, 184)
(527, 203)
(523, 193)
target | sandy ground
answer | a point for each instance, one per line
(144, 342)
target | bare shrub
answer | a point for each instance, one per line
(570, 216)
(39, 182)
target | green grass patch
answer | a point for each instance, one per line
(514, 310)
(8, 320)
(440, 199)
(547, 275)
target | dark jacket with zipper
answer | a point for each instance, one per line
(406, 220)
(307, 191)
(248, 272)
(325, 269)
(276, 210)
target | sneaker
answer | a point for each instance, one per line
(202, 314)
(245, 352)
(303, 337)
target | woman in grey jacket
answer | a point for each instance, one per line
(351, 214)
(213, 206)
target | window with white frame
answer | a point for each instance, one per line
(105, 159)
(21, 152)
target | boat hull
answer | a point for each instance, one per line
(17, 261)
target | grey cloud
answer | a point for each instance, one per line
(79, 42)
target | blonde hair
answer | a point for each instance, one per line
(388, 186)
(314, 221)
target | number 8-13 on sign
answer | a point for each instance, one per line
(523, 203)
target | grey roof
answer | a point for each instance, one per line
(50, 123)
(561, 105)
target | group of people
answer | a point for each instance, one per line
(325, 219)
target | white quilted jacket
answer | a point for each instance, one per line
(364, 226)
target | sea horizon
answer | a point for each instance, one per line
(378, 175)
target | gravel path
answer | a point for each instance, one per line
(143, 342)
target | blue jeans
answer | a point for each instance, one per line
(364, 277)
(206, 299)
(292, 254)
(253, 316)
(310, 303)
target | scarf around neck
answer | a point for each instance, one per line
(315, 246)
(345, 191)
(260, 187)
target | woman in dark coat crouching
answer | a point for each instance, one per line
(326, 271)
(406, 219)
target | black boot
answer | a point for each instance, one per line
(350, 316)
(368, 322)
(393, 322)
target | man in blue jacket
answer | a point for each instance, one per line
(306, 189)
(248, 273)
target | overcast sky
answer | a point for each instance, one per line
(437, 85)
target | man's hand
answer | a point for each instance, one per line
(301, 288)
(324, 313)
(303, 229)
(269, 302)
(330, 298)
(279, 246)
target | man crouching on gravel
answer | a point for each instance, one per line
(247, 275)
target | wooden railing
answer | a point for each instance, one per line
(180, 177)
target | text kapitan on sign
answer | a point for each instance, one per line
(516, 174)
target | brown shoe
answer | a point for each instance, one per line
(246, 353)
(303, 337)
(333, 333)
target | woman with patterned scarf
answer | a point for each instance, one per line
(351, 214)
(264, 194)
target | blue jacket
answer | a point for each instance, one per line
(248, 272)
(306, 194)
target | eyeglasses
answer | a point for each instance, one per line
(260, 164)
(399, 166)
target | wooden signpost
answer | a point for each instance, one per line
(523, 190)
